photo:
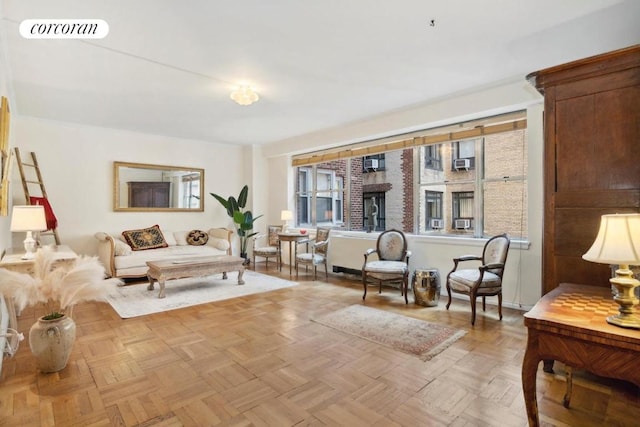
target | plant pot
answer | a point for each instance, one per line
(247, 260)
(51, 342)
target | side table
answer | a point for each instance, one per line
(291, 238)
(569, 325)
(426, 286)
(12, 260)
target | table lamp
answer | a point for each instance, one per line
(618, 242)
(286, 216)
(28, 218)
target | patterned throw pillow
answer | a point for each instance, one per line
(146, 238)
(197, 238)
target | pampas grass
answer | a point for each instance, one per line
(59, 288)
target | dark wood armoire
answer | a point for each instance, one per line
(149, 194)
(591, 158)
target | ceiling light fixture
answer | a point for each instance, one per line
(244, 95)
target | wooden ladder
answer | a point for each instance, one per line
(26, 182)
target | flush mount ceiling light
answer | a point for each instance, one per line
(244, 95)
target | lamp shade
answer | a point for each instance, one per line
(618, 240)
(286, 215)
(28, 218)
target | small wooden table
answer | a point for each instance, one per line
(291, 238)
(569, 324)
(164, 270)
(12, 261)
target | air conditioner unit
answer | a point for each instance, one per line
(371, 163)
(461, 164)
(462, 224)
(436, 223)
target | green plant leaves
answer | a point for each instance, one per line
(242, 198)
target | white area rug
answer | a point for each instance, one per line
(135, 300)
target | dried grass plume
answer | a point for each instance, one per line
(58, 287)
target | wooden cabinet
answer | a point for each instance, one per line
(149, 194)
(591, 158)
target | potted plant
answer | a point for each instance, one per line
(59, 288)
(243, 219)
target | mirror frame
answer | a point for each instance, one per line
(116, 187)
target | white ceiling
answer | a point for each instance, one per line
(167, 67)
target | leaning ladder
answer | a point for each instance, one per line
(39, 182)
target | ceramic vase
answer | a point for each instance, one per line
(51, 342)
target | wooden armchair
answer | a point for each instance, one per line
(484, 281)
(268, 245)
(318, 254)
(392, 264)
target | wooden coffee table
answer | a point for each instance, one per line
(164, 270)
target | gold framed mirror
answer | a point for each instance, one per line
(141, 187)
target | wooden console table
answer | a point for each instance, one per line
(569, 324)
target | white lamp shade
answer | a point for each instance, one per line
(28, 218)
(286, 215)
(618, 240)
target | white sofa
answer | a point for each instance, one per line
(121, 261)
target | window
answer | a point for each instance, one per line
(368, 201)
(462, 209)
(322, 187)
(464, 150)
(487, 198)
(433, 220)
(433, 157)
(303, 208)
(190, 190)
(373, 163)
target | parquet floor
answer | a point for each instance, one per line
(259, 360)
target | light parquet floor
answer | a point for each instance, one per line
(259, 360)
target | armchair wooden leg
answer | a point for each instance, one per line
(484, 303)
(326, 271)
(500, 305)
(364, 283)
(405, 285)
(449, 293)
(473, 309)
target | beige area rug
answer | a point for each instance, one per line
(417, 337)
(135, 300)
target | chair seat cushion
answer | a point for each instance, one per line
(270, 250)
(387, 267)
(308, 258)
(463, 281)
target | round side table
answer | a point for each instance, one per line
(426, 286)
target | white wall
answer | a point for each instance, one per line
(523, 276)
(77, 168)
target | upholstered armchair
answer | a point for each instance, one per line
(391, 265)
(268, 245)
(483, 281)
(318, 255)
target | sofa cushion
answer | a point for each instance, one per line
(181, 237)
(221, 244)
(169, 238)
(138, 259)
(145, 238)
(121, 248)
(197, 238)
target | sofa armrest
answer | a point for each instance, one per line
(106, 252)
(222, 233)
